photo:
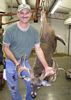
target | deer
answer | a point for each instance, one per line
(48, 40)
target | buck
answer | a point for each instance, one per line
(48, 44)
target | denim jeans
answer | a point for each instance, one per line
(12, 81)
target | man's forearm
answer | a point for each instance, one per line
(10, 55)
(41, 57)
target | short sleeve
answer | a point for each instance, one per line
(37, 37)
(7, 37)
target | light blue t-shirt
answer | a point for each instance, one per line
(21, 42)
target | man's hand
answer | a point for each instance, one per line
(21, 68)
(49, 71)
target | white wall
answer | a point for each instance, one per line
(2, 5)
(62, 31)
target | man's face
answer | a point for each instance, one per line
(24, 15)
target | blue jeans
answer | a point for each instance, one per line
(12, 81)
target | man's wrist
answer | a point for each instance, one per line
(17, 65)
(47, 67)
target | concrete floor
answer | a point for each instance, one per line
(59, 90)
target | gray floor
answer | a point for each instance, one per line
(60, 89)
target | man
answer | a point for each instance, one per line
(18, 41)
